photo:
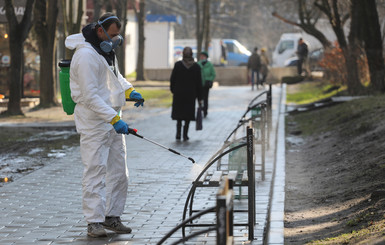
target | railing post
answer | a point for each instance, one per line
(263, 139)
(251, 180)
(269, 96)
(230, 209)
(269, 111)
(225, 213)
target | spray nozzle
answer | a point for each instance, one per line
(132, 130)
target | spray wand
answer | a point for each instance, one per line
(134, 131)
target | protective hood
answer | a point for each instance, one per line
(75, 41)
(89, 34)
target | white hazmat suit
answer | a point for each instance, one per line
(99, 93)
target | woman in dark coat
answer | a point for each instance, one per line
(186, 87)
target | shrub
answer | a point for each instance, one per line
(334, 64)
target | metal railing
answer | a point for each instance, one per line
(224, 218)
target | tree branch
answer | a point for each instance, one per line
(345, 18)
(324, 7)
(10, 13)
(275, 14)
(76, 27)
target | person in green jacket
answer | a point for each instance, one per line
(208, 76)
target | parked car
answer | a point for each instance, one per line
(222, 52)
(293, 61)
(314, 58)
(286, 48)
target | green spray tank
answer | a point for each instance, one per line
(64, 78)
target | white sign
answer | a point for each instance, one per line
(19, 6)
(5, 59)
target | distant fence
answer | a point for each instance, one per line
(227, 76)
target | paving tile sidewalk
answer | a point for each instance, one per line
(44, 207)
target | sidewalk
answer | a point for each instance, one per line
(44, 207)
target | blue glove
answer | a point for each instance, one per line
(136, 96)
(121, 127)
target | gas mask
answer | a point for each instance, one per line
(108, 46)
(112, 43)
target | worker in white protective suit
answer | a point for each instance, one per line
(100, 91)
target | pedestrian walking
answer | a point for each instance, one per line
(302, 52)
(253, 67)
(264, 65)
(208, 76)
(99, 91)
(186, 87)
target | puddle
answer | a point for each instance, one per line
(294, 140)
(53, 135)
(28, 149)
(56, 154)
(35, 150)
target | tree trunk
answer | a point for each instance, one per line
(97, 7)
(373, 42)
(202, 25)
(71, 27)
(351, 50)
(199, 27)
(18, 32)
(15, 77)
(141, 15)
(47, 81)
(354, 85)
(45, 14)
(206, 21)
(121, 12)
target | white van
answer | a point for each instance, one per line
(285, 49)
(221, 51)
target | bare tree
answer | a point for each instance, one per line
(366, 14)
(202, 24)
(308, 18)
(98, 4)
(206, 21)
(121, 13)
(364, 32)
(140, 16)
(199, 28)
(45, 14)
(18, 32)
(71, 25)
(337, 13)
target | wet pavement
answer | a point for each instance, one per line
(44, 207)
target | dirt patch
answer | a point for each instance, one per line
(33, 140)
(335, 171)
(26, 149)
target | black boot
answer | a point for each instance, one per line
(178, 129)
(185, 130)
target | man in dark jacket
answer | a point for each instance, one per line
(302, 51)
(254, 65)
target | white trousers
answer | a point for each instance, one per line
(105, 176)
